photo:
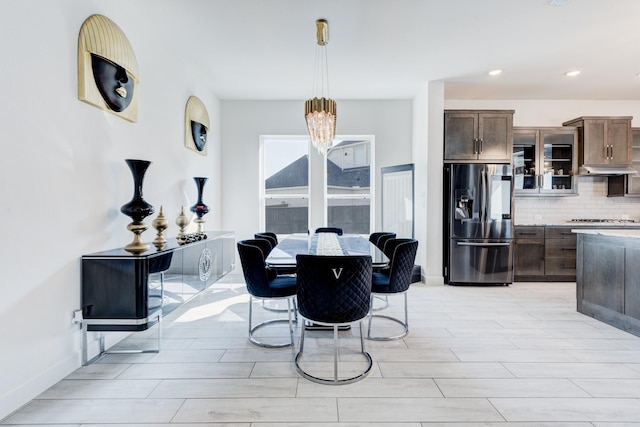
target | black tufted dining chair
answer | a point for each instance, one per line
(267, 235)
(402, 253)
(334, 291)
(336, 230)
(261, 285)
(375, 237)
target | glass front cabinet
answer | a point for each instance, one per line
(545, 161)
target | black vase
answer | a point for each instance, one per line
(137, 209)
(200, 209)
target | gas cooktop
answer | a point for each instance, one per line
(609, 221)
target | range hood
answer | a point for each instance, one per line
(599, 170)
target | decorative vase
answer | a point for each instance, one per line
(182, 221)
(200, 209)
(160, 224)
(137, 209)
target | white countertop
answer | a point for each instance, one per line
(581, 224)
(633, 233)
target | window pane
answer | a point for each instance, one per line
(286, 185)
(287, 215)
(348, 168)
(286, 167)
(352, 215)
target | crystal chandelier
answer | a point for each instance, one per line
(320, 112)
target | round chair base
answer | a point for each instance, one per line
(269, 345)
(405, 328)
(385, 303)
(334, 381)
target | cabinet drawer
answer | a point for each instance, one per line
(560, 266)
(529, 232)
(559, 233)
(563, 248)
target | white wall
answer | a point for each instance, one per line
(244, 121)
(63, 177)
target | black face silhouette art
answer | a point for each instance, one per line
(199, 134)
(113, 83)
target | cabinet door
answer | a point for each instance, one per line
(529, 251)
(619, 141)
(460, 134)
(496, 137)
(525, 156)
(633, 183)
(558, 152)
(594, 146)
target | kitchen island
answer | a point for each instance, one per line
(608, 276)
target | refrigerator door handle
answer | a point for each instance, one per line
(483, 192)
(482, 244)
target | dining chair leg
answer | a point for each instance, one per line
(253, 328)
(290, 322)
(404, 324)
(335, 353)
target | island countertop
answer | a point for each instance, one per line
(612, 232)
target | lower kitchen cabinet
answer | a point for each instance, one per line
(529, 252)
(545, 254)
(559, 254)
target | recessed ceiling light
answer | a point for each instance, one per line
(495, 72)
(558, 2)
(572, 73)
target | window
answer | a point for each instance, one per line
(285, 184)
(342, 196)
(348, 185)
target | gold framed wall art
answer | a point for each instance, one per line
(196, 125)
(107, 68)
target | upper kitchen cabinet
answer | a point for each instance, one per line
(478, 136)
(627, 185)
(603, 141)
(545, 161)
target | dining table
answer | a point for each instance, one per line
(283, 256)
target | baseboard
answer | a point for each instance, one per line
(28, 390)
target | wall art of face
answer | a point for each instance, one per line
(115, 86)
(199, 134)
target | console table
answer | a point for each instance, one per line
(122, 291)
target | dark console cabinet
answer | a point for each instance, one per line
(126, 292)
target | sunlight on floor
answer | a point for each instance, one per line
(212, 309)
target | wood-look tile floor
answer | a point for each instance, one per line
(476, 356)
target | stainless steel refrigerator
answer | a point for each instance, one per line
(478, 223)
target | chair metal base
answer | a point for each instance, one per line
(385, 302)
(335, 380)
(254, 328)
(405, 324)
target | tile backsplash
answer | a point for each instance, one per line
(591, 202)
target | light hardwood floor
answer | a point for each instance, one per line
(476, 356)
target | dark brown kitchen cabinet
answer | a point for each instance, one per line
(545, 254)
(603, 140)
(559, 254)
(529, 253)
(627, 185)
(545, 161)
(478, 135)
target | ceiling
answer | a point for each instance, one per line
(389, 49)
